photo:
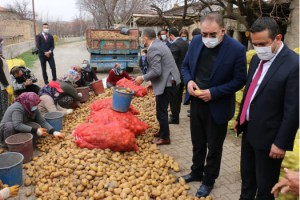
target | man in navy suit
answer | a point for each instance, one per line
(216, 64)
(269, 114)
(45, 45)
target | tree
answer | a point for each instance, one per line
(106, 13)
(21, 8)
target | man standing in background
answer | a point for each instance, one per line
(178, 47)
(45, 45)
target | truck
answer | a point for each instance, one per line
(108, 47)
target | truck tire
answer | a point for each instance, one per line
(129, 69)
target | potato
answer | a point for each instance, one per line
(197, 92)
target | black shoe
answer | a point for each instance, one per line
(173, 121)
(204, 191)
(189, 178)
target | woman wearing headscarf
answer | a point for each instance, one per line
(23, 110)
(116, 74)
(49, 95)
(69, 98)
(88, 75)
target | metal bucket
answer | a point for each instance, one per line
(21, 143)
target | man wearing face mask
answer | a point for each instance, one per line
(45, 46)
(269, 114)
(214, 68)
(164, 37)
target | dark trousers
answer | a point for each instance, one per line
(51, 62)
(162, 103)
(3, 102)
(209, 136)
(259, 172)
(175, 103)
(29, 88)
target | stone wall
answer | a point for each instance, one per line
(14, 50)
(292, 34)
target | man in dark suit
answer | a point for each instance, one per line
(216, 64)
(165, 78)
(45, 45)
(269, 114)
(178, 47)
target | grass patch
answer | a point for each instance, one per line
(28, 58)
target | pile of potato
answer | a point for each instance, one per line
(109, 35)
(64, 171)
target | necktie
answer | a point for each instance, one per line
(250, 92)
(46, 37)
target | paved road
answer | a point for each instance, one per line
(227, 186)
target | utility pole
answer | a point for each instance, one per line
(34, 23)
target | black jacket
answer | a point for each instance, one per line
(43, 45)
(179, 49)
(274, 110)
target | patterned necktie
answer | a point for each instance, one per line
(250, 92)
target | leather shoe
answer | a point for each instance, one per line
(157, 134)
(189, 178)
(161, 141)
(203, 191)
(173, 121)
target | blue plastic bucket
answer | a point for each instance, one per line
(11, 172)
(121, 100)
(55, 119)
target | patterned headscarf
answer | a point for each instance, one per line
(28, 100)
(117, 69)
(72, 76)
(49, 91)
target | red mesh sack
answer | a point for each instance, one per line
(111, 136)
(107, 103)
(139, 91)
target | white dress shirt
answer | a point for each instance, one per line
(266, 67)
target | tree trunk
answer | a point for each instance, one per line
(292, 34)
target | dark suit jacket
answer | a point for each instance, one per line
(274, 110)
(43, 45)
(179, 49)
(228, 75)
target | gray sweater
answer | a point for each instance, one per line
(17, 115)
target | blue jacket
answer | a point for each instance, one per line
(228, 75)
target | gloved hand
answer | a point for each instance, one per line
(59, 135)
(14, 190)
(69, 111)
(42, 132)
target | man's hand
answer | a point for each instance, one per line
(280, 186)
(205, 95)
(139, 80)
(288, 184)
(191, 87)
(276, 153)
(235, 125)
(47, 54)
(28, 82)
(293, 179)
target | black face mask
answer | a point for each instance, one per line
(21, 79)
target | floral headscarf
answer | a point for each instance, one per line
(49, 91)
(28, 100)
(72, 76)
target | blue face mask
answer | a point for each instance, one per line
(184, 38)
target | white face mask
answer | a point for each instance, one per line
(46, 30)
(56, 94)
(184, 38)
(163, 37)
(84, 66)
(210, 42)
(264, 53)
